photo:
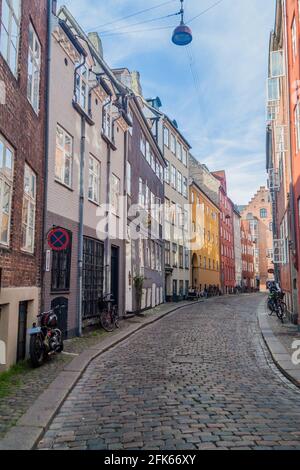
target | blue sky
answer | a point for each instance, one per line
(223, 113)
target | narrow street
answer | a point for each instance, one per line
(201, 378)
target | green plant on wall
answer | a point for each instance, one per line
(138, 283)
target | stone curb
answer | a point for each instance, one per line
(280, 355)
(34, 423)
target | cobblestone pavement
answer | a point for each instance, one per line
(201, 378)
(29, 384)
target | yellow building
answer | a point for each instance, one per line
(205, 249)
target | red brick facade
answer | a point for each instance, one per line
(24, 131)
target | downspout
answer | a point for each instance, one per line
(125, 220)
(292, 201)
(107, 244)
(47, 125)
(81, 212)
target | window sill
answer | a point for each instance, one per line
(108, 141)
(83, 113)
(27, 253)
(64, 185)
(60, 292)
(97, 204)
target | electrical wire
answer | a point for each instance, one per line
(161, 28)
(131, 15)
(102, 33)
(205, 11)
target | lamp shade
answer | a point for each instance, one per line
(182, 35)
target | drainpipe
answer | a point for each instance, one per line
(50, 11)
(81, 212)
(107, 244)
(292, 201)
(81, 225)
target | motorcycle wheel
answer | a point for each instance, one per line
(37, 351)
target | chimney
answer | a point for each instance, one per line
(97, 43)
(136, 83)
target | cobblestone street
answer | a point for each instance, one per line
(201, 378)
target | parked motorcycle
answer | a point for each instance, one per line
(45, 338)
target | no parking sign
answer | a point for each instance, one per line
(58, 239)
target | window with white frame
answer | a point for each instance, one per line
(297, 125)
(148, 152)
(63, 157)
(10, 32)
(277, 64)
(6, 188)
(173, 176)
(179, 182)
(107, 120)
(34, 69)
(273, 89)
(185, 187)
(94, 180)
(29, 210)
(82, 88)
(294, 38)
(173, 144)
(179, 151)
(166, 137)
(115, 189)
(184, 156)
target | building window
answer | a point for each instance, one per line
(106, 120)
(173, 177)
(175, 255)
(168, 254)
(181, 256)
(34, 69)
(143, 146)
(10, 32)
(128, 178)
(184, 187)
(148, 152)
(186, 258)
(29, 210)
(63, 157)
(184, 156)
(166, 137)
(82, 88)
(263, 213)
(94, 180)
(294, 38)
(173, 144)
(115, 194)
(179, 182)
(61, 268)
(6, 187)
(167, 173)
(179, 151)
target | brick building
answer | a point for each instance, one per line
(23, 59)
(247, 256)
(259, 213)
(226, 235)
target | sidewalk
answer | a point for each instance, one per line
(28, 409)
(279, 339)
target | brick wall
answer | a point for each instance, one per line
(24, 130)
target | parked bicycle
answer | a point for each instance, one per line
(45, 337)
(109, 315)
(276, 304)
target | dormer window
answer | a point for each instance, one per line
(107, 122)
(82, 87)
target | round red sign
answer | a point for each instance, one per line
(58, 239)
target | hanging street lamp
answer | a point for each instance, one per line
(182, 35)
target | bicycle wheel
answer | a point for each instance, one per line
(280, 313)
(116, 316)
(106, 321)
